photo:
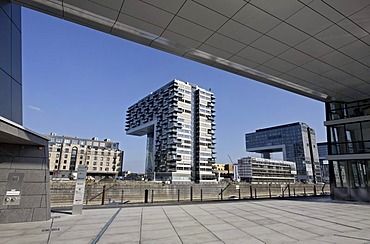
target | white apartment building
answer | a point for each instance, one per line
(178, 120)
(102, 158)
(252, 169)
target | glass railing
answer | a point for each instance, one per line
(349, 110)
(350, 147)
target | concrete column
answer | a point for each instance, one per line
(24, 175)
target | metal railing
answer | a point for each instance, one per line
(97, 194)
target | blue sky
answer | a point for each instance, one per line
(80, 82)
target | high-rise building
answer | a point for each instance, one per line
(102, 158)
(179, 122)
(296, 141)
(322, 148)
(252, 169)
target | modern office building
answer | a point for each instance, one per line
(258, 170)
(322, 148)
(102, 158)
(348, 128)
(24, 171)
(179, 122)
(296, 141)
(318, 49)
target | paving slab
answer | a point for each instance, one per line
(265, 221)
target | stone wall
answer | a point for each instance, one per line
(24, 168)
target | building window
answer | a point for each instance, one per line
(94, 163)
(106, 164)
(82, 151)
(88, 157)
(56, 161)
(101, 158)
(95, 158)
(65, 155)
(56, 167)
(64, 167)
(81, 157)
(101, 163)
(65, 161)
(94, 168)
(80, 162)
(66, 150)
(101, 168)
(87, 162)
(106, 169)
(72, 165)
(108, 159)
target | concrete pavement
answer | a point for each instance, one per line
(267, 221)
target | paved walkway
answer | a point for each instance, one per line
(267, 221)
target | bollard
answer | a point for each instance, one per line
(201, 195)
(178, 195)
(304, 191)
(289, 190)
(270, 190)
(152, 196)
(122, 196)
(240, 196)
(191, 193)
(146, 195)
(314, 190)
(251, 191)
(222, 193)
(103, 196)
(255, 192)
(293, 191)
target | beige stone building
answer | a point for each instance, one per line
(102, 158)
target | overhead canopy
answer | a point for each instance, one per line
(319, 48)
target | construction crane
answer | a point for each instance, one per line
(235, 169)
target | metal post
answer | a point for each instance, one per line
(103, 196)
(121, 196)
(222, 193)
(251, 191)
(178, 195)
(152, 196)
(270, 190)
(255, 192)
(87, 195)
(314, 189)
(240, 196)
(201, 195)
(289, 190)
(294, 191)
(191, 193)
(146, 195)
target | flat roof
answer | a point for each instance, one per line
(319, 49)
(278, 127)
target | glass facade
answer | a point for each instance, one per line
(10, 61)
(350, 138)
(296, 141)
(348, 128)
